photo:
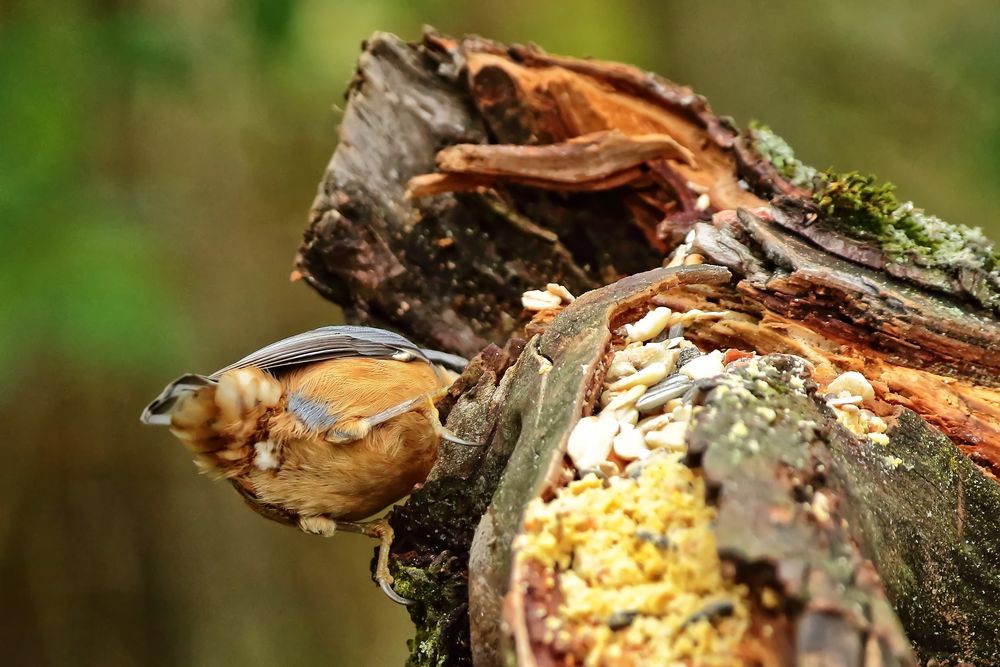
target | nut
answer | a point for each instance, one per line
(561, 292)
(672, 436)
(625, 399)
(705, 366)
(652, 352)
(621, 365)
(854, 383)
(650, 326)
(538, 300)
(631, 445)
(649, 375)
(590, 442)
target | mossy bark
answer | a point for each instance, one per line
(897, 552)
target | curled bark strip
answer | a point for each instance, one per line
(448, 270)
(582, 159)
(439, 183)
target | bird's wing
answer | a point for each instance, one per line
(452, 362)
(323, 344)
(329, 343)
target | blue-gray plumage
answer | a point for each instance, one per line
(325, 428)
(313, 413)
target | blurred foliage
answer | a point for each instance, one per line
(156, 164)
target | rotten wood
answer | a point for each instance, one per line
(839, 315)
(469, 172)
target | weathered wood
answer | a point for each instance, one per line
(916, 510)
(448, 271)
(469, 172)
(926, 352)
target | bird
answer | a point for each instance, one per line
(321, 430)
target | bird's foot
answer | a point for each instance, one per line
(378, 529)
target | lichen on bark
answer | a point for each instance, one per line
(835, 269)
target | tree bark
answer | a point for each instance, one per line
(468, 172)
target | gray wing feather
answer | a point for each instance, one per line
(327, 343)
(450, 361)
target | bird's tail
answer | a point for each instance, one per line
(216, 419)
(158, 411)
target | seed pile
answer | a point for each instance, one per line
(628, 546)
(630, 543)
(642, 406)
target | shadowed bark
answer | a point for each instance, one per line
(469, 172)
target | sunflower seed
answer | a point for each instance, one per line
(712, 611)
(687, 355)
(621, 619)
(673, 387)
(656, 539)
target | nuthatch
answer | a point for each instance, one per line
(320, 430)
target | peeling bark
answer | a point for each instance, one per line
(469, 172)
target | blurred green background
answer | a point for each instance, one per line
(157, 160)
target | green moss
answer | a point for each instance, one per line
(777, 151)
(433, 533)
(856, 200)
(864, 207)
(441, 615)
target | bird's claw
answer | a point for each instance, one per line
(449, 436)
(393, 595)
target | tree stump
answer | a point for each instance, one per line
(469, 172)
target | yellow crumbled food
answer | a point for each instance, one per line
(638, 570)
(879, 438)
(862, 423)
